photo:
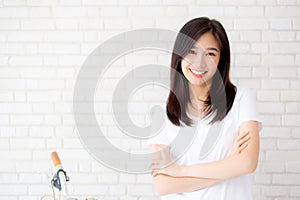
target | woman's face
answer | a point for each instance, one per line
(201, 62)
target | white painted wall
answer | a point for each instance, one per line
(43, 44)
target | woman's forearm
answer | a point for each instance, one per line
(228, 168)
(232, 166)
(169, 185)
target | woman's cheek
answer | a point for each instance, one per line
(184, 65)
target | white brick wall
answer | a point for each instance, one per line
(43, 44)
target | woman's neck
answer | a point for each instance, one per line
(198, 94)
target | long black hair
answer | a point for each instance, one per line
(221, 93)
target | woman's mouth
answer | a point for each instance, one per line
(197, 73)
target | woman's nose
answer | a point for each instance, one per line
(199, 62)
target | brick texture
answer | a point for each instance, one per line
(43, 44)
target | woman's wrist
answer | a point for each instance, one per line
(184, 170)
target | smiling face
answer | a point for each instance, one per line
(201, 62)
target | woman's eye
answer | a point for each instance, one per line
(211, 54)
(192, 52)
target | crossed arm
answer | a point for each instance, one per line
(177, 179)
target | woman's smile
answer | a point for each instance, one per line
(197, 73)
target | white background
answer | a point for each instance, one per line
(43, 44)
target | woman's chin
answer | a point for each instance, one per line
(198, 83)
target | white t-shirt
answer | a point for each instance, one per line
(216, 146)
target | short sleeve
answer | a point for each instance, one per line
(161, 137)
(247, 108)
(166, 135)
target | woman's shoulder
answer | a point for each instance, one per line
(242, 92)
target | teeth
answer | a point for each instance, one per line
(197, 72)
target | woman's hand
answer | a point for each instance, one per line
(241, 141)
(164, 165)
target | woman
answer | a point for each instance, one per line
(202, 96)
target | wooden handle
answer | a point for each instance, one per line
(55, 159)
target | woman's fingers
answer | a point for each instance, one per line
(243, 146)
(240, 142)
(240, 136)
(156, 172)
(157, 168)
(244, 139)
(243, 134)
(165, 154)
(158, 165)
(161, 159)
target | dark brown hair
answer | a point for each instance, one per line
(222, 91)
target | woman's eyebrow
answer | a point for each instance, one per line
(213, 48)
(209, 48)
